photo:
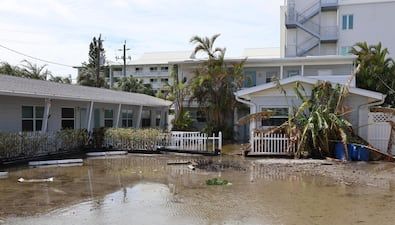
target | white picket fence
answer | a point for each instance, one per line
(195, 141)
(271, 144)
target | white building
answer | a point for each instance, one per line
(36, 105)
(152, 68)
(332, 27)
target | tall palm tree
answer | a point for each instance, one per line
(34, 71)
(8, 69)
(206, 45)
(214, 84)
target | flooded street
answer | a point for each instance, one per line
(143, 189)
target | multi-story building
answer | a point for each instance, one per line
(332, 27)
(152, 68)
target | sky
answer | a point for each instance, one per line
(61, 30)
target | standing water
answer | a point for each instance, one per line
(137, 189)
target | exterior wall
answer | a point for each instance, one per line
(11, 113)
(371, 19)
(371, 24)
(157, 79)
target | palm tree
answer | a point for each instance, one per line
(131, 84)
(377, 72)
(206, 45)
(214, 84)
(8, 69)
(34, 71)
(59, 79)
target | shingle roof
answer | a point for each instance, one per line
(16, 86)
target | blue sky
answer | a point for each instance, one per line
(61, 30)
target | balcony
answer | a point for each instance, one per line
(329, 34)
(329, 5)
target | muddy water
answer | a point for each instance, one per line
(145, 190)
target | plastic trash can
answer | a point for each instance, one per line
(363, 153)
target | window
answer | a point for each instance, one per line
(249, 79)
(146, 118)
(138, 69)
(67, 118)
(164, 68)
(280, 115)
(153, 69)
(347, 22)
(292, 73)
(201, 116)
(108, 118)
(164, 80)
(32, 118)
(127, 118)
(270, 75)
(345, 50)
(153, 80)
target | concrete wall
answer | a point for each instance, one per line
(372, 23)
(11, 113)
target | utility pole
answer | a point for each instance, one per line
(124, 57)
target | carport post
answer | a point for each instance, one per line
(139, 112)
(44, 126)
(90, 117)
(118, 115)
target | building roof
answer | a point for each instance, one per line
(155, 58)
(358, 91)
(262, 52)
(291, 60)
(16, 86)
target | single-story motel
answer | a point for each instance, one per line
(36, 105)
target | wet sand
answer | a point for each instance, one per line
(137, 189)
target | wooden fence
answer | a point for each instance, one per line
(176, 140)
(271, 144)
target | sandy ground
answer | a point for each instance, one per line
(378, 174)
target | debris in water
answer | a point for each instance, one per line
(22, 180)
(191, 167)
(217, 181)
(178, 162)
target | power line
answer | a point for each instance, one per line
(32, 57)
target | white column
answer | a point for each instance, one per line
(153, 117)
(253, 123)
(281, 72)
(302, 71)
(139, 112)
(44, 126)
(111, 77)
(163, 118)
(118, 116)
(90, 112)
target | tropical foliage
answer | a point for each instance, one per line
(92, 73)
(319, 119)
(137, 139)
(131, 84)
(178, 93)
(377, 71)
(214, 84)
(20, 145)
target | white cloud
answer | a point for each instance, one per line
(61, 30)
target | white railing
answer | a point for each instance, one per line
(195, 141)
(271, 144)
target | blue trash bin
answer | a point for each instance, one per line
(353, 152)
(363, 153)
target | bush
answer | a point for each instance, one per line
(136, 139)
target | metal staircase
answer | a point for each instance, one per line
(304, 21)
